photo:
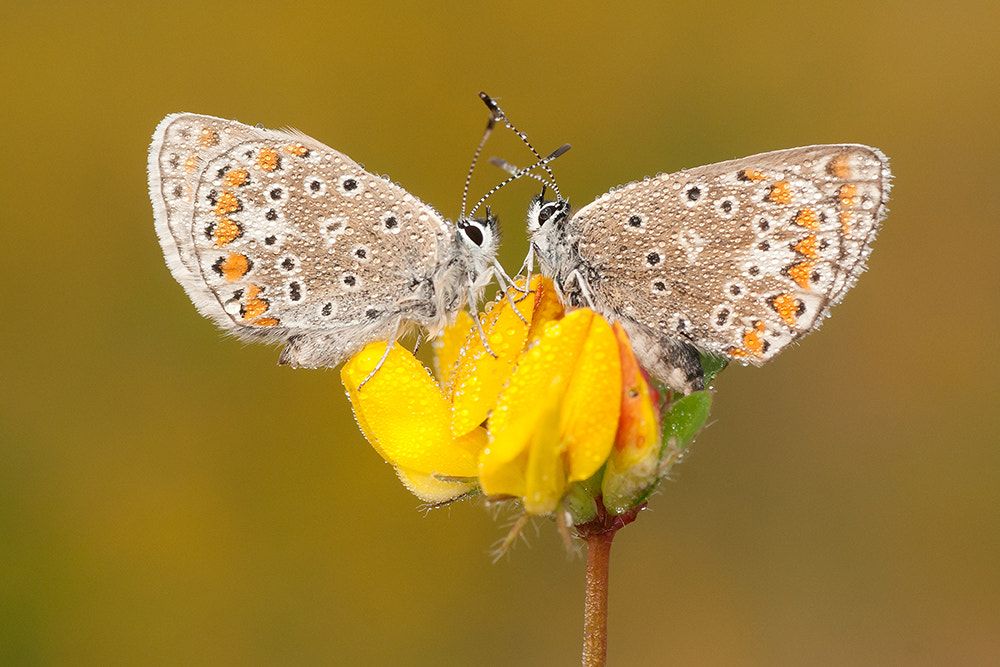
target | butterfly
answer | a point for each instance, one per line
(279, 238)
(737, 259)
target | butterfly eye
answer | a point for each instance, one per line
(546, 213)
(473, 231)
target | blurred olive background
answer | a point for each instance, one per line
(170, 496)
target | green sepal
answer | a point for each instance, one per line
(579, 502)
(711, 365)
(686, 417)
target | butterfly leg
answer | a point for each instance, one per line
(385, 355)
(582, 287)
(482, 332)
(528, 266)
(505, 284)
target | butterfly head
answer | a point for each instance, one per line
(545, 215)
(478, 240)
(547, 230)
(481, 236)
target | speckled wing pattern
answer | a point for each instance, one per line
(277, 237)
(738, 258)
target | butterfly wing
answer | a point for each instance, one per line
(278, 237)
(738, 258)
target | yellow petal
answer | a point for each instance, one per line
(448, 346)
(543, 373)
(480, 373)
(559, 411)
(545, 474)
(639, 427)
(403, 413)
(431, 489)
(634, 465)
(548, 307)
(592, 404)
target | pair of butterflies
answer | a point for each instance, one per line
(279, 238)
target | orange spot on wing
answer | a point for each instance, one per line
(191, 163)
(208, 137)
(752, 342)
(235, 267)
(787, 307)
(226, 203)
(236, 178)
(266, 322)
(839, 167)
(267, 159)
(800, 273)
(751, 175)
(807, 247)
(807, 218)
(781, 193)
(298, 150)
(252, 305)
(846, 222)
(225, 232)
(846, 194)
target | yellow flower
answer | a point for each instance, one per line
(555, 410)
(555, 421)
(432, 432)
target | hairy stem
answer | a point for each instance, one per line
(595, 621)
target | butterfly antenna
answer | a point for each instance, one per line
(527, 171)
(512, 169)
(498, 113)
(475, 158)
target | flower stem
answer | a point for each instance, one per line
(598, 533)
(595, 620)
